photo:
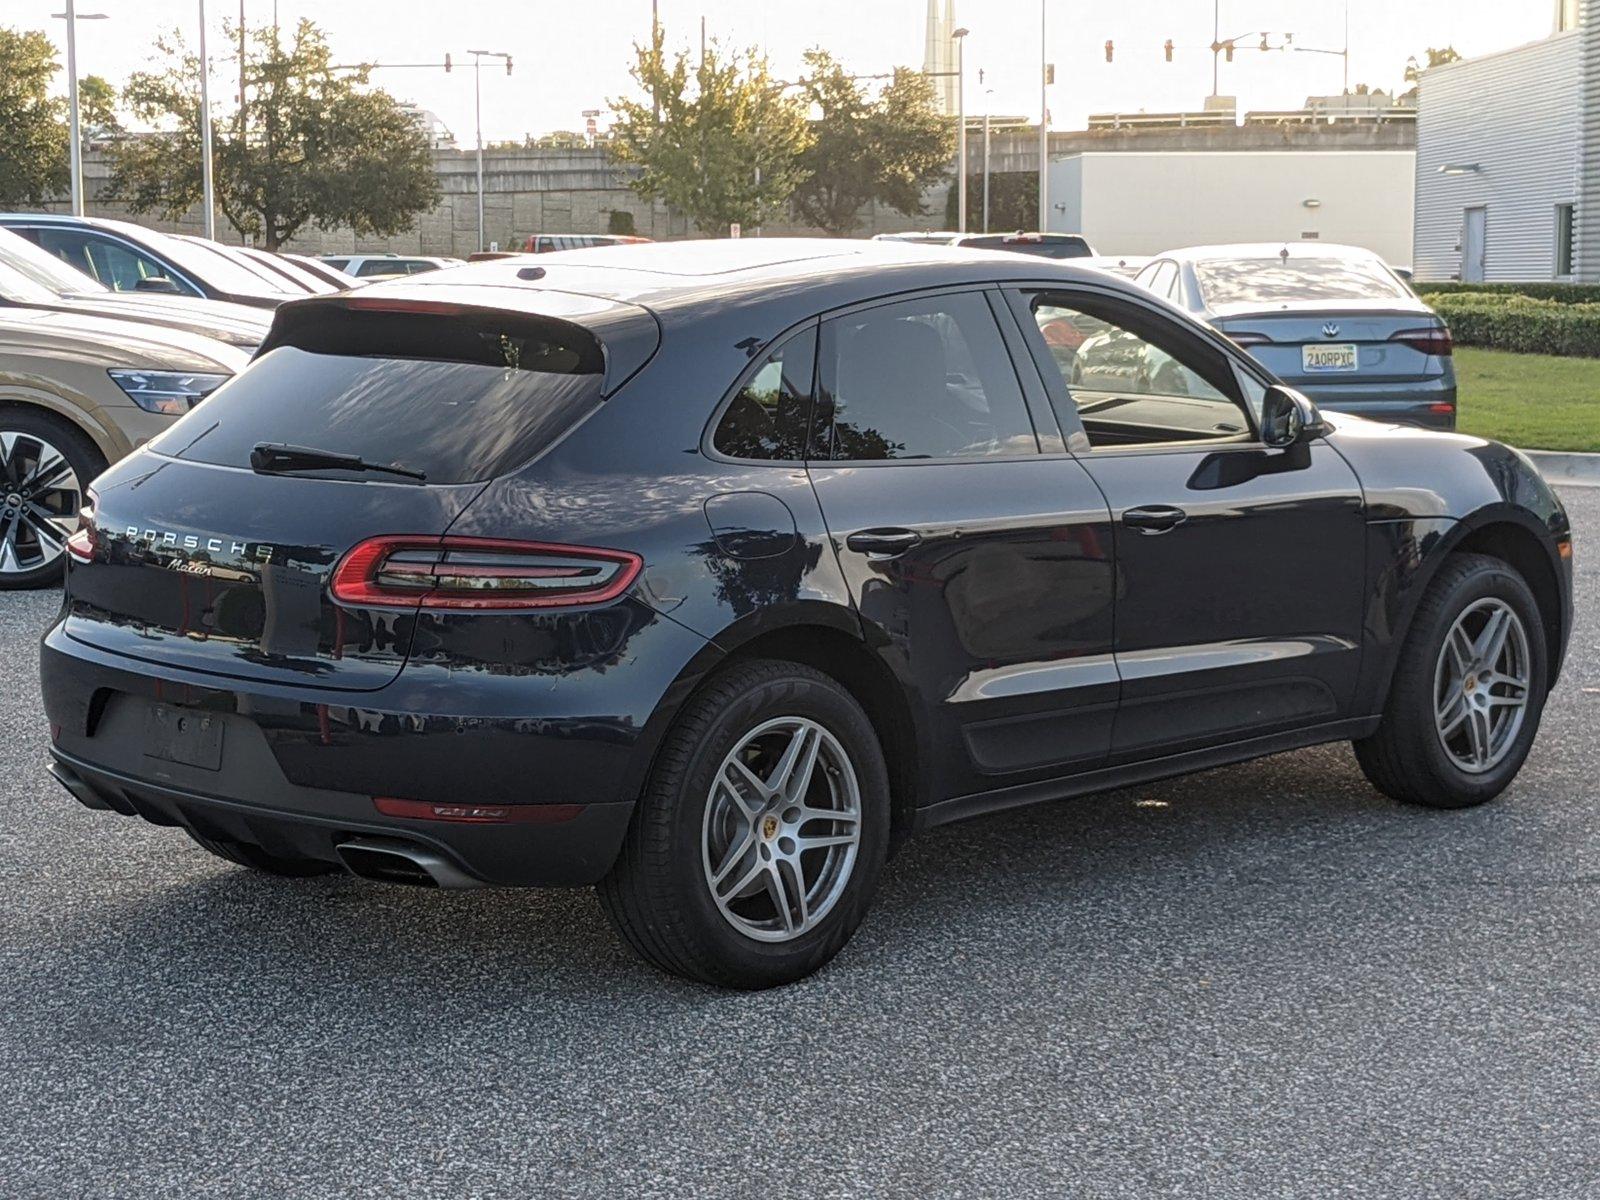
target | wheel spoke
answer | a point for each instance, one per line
(1478, 735)
(1460, 646)
(808, 813)
(48, 525)
(732, 776)
(740, 848)
(792, 776)
(756, 868)
(1492, 640)
(45, 472)
(780, 901)
(9, 561)
(828, 839)
(1451, 716)
(1490, 679)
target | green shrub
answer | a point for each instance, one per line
(1565, 293)
(620, 221)
(1013, 202)
(1524, 324)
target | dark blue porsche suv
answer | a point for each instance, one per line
(707, 572)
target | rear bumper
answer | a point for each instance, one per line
(577, 849)
(295, 769)
(1422, 404)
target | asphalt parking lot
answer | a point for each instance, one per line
(1265, 981)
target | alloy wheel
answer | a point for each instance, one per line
(39, 500)
(782, 829)
(1481, 685)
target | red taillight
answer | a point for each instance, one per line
(80, 546)
(476, 814)
(479, 573)
(1443, 408)
(1429, 341)
(1246, 339)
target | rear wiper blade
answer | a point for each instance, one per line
(279, 458)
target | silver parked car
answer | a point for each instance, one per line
(1333, 321)
(32, 278)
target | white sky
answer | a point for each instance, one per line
(573, 56)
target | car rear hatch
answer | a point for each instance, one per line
(1308, 344)
(213, 548)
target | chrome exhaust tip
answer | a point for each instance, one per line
(391, 860)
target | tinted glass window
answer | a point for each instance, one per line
(454, 421)
(378, 266)
(1275, 280)
(767, 419)
(922, 379)
(114, 264)
(1133, 378)
(338, 264)
(1050, 247)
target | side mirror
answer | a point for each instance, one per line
(1289, 418)
(158, 283)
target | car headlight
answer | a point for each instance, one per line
(170, 392)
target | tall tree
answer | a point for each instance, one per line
(887, 147)
(315, 144)
(718, 141)
(33, 137)
(1437, 57)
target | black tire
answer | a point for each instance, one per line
(657, 894)
(258, 859)
(1406, 759)
(81, 455)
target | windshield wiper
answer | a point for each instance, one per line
(278, 458)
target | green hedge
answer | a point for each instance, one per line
(1521, 323)
(1565, 293)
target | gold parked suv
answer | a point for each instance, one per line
(78, 392)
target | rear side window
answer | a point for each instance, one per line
(1047, 247)
(922, 379)
(461, 398)
(767, 419)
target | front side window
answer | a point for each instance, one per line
(767, 420)
(1134, 379)
(922, 379)
(113, 263)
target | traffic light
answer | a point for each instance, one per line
(1108, 49)
(447, 64)
(1265, 45)
(1227, 49)
(1168, 49)
(508, 64)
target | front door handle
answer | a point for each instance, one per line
(885, 543)
(1154, 518)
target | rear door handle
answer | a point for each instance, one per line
(1154, 518)
(885, 543)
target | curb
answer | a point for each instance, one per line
(1564, 468)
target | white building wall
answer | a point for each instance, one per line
(1507, 125)
(1143, 203)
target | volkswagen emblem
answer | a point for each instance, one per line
(1331, 329)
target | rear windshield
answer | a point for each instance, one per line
(1057, 247)
(1279, 280)
(477, 402)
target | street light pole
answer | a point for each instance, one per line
(75, 153)
(960, 39)
(207, 183)
(477, 92)
(1044, 123)
(988, 103)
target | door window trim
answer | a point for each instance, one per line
(1018, 298)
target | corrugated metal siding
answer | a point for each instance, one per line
(1586, 235)
(1515, 114)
